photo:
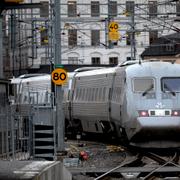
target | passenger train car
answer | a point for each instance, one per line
(139, 103)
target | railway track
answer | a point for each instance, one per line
(139, 168)
(137, 163)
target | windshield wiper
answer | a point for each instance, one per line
(169, 89)
(147, 90)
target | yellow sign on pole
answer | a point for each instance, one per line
(113, 27)
(14, 1)
(59, 76)
(114, 36)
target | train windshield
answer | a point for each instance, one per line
(170, 84)
(143, 85)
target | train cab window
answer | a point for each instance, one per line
(170, 84)
(144, 85)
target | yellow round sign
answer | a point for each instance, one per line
(59, 76)
(113, 27)
(114, 36)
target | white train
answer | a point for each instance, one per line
(138, 102)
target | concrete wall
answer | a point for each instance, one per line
(55, 172)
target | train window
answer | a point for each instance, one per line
(96, 93)
(99, 94)
(89, 94)
(104, 94)
(80, 94)
(92, 98)
(85, 94)
(143, 84)
(170, 84)
(76, 94)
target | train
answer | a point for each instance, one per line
(136, 101)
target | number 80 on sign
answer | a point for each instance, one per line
(59, 76)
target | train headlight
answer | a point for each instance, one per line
(175, 113)
(143, 113)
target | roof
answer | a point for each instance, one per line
(164, 46)
(154, 68)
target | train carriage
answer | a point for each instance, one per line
(136, 101)
(139, 101)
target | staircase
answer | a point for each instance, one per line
(44, 142)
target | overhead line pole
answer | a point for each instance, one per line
(132, 37)
(1, 46)
(58, 90)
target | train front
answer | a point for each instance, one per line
(153, 101)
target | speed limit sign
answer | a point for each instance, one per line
(113, 27)
(59, 76)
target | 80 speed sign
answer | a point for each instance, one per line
(59, 76)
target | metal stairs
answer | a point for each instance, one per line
(44, 142)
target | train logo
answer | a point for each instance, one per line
(159, 105)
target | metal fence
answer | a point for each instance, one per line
(15, 132)
(27, 125)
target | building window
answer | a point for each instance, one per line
(128, 58)
(72, 37)
(113, 43)
(153, 35)
(95, 12)
(95, 60)
(44, 37)
(169, 47)
(152, 8)
(128, 38)
(95, 37)
(72, 11)
(112, 10)
(178, 8)
(44, 10)
(72, 60)
(113, 60)
(129, 8)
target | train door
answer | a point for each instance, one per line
(118, 91)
